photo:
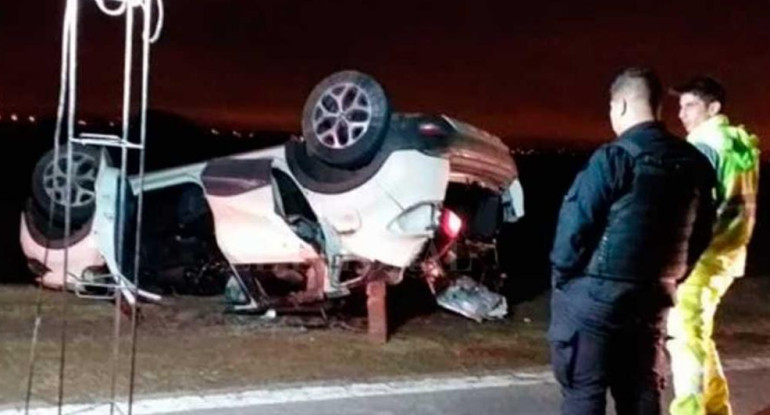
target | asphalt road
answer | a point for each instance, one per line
(749, 389)
(531, 392)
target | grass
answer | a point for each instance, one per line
(188, 344)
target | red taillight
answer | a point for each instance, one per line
(451, 224)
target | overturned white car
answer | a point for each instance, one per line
(364, 194)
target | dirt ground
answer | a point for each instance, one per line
(189, 344)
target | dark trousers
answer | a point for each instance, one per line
(598, 345)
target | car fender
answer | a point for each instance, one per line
(363, 216)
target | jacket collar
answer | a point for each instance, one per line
(708, 127)
(645, 125)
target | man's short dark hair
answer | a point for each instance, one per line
(704, 87)
(639, 81)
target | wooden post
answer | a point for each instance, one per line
(377, 311)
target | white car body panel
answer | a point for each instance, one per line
(104, 227)
(411, 178)
(362, 216)
(82, 255)
(248, 231)
(167, 178)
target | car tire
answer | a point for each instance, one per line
(313, 174)
(49, 183)
(345, 119)
(50, 234)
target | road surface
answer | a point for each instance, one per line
(529, 392)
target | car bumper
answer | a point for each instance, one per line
(79, 256)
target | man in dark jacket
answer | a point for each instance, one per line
(631, 226)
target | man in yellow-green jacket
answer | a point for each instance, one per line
(700, 386)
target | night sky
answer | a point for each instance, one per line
(534, 70)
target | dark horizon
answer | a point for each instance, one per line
(516, 70)
(24, 120)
